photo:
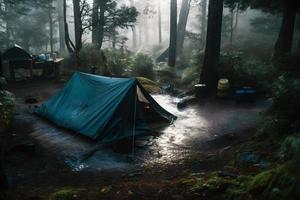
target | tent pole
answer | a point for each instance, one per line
(134, 118)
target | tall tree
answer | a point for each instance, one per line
(203, 21)
(209, 74)
(81, 12)
(173, 34)
(289, 9)
(134, 39)
(101, 25)
(183, 17)
(51, 25)
(77, 11)
(283, 45)
(61, 26)
(110, 18)
(70, 45)
(159, 24)
(95, 21)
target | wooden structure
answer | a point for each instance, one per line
(17, 57)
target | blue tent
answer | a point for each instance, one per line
(103, 108)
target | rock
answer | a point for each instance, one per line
(31, 100)
(248, 157)
(182, 104)
(135, 174)
(3, 178)
(105, 189)
(264, 164)
(185, 101)
(276, 193)
(24, 146)
(297, 190)
(227, 174)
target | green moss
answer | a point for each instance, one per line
(7, 106)
(260, 182)
(278, 183)
(65, 194)
(290, 147)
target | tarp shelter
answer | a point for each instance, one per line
(16, 53)
(17, 57)
(104, 108)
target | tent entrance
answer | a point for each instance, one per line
(150, 115)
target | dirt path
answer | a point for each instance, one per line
(196, 142)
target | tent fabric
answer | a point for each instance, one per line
(102, 108)
(16, 53)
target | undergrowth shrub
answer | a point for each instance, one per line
(117, 61)
(191, 75)
(290, 147)
(7, 104)
(142, 65)
(244, 71)
(90, 56)
(286, 98)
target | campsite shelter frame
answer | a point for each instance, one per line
(17, 56)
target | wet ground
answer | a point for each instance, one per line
(196, 126)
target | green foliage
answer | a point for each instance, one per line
(290, 147)
(191, 75)
(117, 61)
(212, 185)
(166, 74)
(65, 194)
(286, 98)
(35, 33)
(242, 71)
(268, 24)
(90, 56)
(122, 17)
(7, 104)
(278, 183)
(142, 65)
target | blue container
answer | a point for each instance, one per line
(240, 93)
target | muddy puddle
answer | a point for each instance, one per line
(194, 125)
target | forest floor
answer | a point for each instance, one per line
(41, 159)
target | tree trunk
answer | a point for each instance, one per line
(173, 34)
(203, 22)
(102, 5)
(183, 17)
(134, 41)
(231, 25)
(68, 42)
(61, 27)
(146, 30)
(3, 178)
(1, 69)
(77, 24)
(283, 45)
(159, 24)
(209, 74)
(237, 16)
(51, 28)
(140, 35)
(95, 18)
